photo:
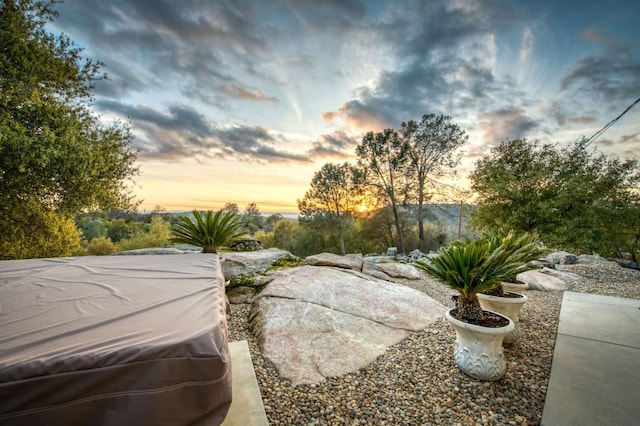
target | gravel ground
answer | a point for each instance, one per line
(416, 382)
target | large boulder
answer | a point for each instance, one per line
(349, 261)
(547, 279)
(385, 268)
(562, 258)
(627, 264)
(369, 268)
(250, 262)
(317, 322)
(399, 270)
(592, 258)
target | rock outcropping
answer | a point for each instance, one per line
(317, 322)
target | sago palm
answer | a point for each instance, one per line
(208, 231)
(471, 267)
(521, 248)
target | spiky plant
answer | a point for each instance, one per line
(208, 231)
(471, 267)
(521, 248)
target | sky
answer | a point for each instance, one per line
(240, 101)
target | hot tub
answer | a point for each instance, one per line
(114, 340)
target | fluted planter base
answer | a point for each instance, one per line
(507, 306)
(478, 350)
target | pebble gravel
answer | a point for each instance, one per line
(417, 382)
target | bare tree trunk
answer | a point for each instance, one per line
(420, 220)
(396, 217)
(460, 220)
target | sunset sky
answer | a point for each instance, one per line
(243, 101)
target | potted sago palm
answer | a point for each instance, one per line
(521, 249)
(471, 267)
(209, 231)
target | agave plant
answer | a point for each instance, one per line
(470, 267)
(522, 249)
(208, 231)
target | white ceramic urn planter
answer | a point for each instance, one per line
(507, 306)
(478, 350)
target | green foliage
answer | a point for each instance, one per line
(379, 230)
(383, 159)
(332, 201)
(157, 236)
(473, 266)
(252, 219)
(231, 207)
(93, 228)
(575, 198)
(271, 221)
(101, 246)
(286, 262)
(53, 150)
(208, 231)
(121, 229)
(520, 248)
(433, 153)
(34, 231)
(159, 228)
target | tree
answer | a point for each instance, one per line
(336, 194)
(433, 143)
(155, 234)
(252, 218)
(575, 198)
(231, 207)
(208, 231)
(384, 157)
(93, 228)
(54, 153)
(271, 221)
(379, 229)
(39, 232)
(121, 229)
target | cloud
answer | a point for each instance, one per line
(366, 115)
(182, 132)
(507, 123)
(563, 115)
(183, 45)
(611, 76)
(443, 63)
(334, 14)
(338, 145)
(227, 77)
(255, 143)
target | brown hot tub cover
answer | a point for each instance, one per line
(116, 340)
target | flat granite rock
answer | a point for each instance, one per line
(399, 270)
(317, 322)
(547, 279)
(349, 261)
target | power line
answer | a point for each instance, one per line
(611, 123)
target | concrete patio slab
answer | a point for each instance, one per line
(246, 404)
(595, 379)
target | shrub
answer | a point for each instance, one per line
(101, 246)
(208, 231)
(33, 231)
